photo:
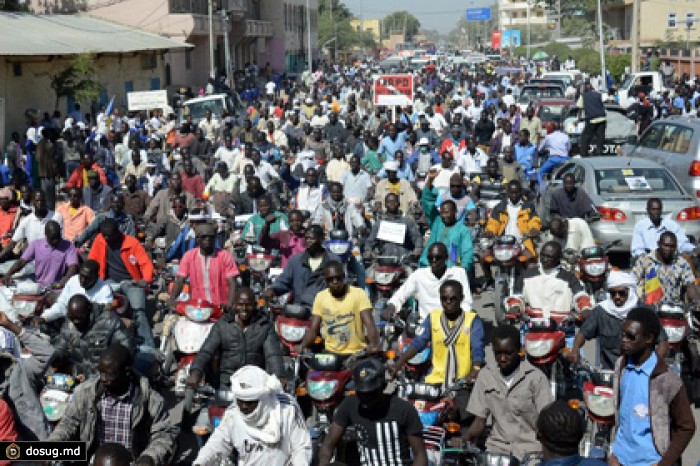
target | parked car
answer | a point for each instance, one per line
(619, 130)
(620, 187)
(675, 144)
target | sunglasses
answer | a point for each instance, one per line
(622, 293)
(434, 257)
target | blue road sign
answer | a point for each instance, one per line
(510, 37)
(479, 14)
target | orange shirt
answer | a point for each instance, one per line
(75, 221)
(6, 221)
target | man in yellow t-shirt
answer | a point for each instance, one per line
(343, 315)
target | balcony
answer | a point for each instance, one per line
(255, 28)
(235, 8)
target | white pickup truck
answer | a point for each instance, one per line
(644, 81)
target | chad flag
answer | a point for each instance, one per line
(652, 288)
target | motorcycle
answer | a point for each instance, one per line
(599, 400)
(184, 332)
(472, 455)
(681, 329)
(387, 276)
(343, 246)
(57, 395)
(259, 264)
(507, 254)
(545, 340)
(327, 384)
(438, 414)
(291, 326)
(593, 266)
(418, 366)
(213, 406)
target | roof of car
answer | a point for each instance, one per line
(682, 119)
(616, 162)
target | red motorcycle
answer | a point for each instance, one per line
(291, 325)
(599, 399)
(506, 252)
(418, 366)
(545, 339)
(388, 275)
(592, 265)
(678, 323)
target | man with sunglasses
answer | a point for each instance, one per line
(343, 315)
(456, 337)
(605, 322)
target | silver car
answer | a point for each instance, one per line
(673, 142)
(620, 187)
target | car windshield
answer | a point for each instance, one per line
(636, 182)
(197, 110)
(540, 92)
(554, 112)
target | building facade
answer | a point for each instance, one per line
(260, 31)
(513, 14)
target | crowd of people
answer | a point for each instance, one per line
(88, 203)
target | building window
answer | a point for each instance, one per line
(188, 59)
(690, 19)
(672, 20)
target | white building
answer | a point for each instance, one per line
(513, 14)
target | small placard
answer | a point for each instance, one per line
(392, 232)
(637, 183)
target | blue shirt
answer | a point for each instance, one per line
(574, 461)
(404, 173)
(525, 155)
(387, 148)
(634, 443)
(646, 236)
(476, 340)
(557, 143)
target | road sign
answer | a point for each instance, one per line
(479, 14)
(393, 89)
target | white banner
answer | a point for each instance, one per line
(147, 100)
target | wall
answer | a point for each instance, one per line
(33, 88)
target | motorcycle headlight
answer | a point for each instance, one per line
(259, 264)
(292, 333)
(503, 255)
(538, 348)
(321, 390)
(338, 248)
(54, 403)
(384, 278)
(198, 314)
(600, 405)
(675, 333)
(595, 269)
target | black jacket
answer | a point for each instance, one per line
(259, 346)
(83, 350)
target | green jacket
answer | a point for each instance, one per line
(255, 224)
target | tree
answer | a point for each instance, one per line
(78, 80)
(401, 21)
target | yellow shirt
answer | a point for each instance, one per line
(341, 324)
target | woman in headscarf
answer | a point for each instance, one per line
(605, 322)
(264, 424)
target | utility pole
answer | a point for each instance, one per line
(603, 73)
(528, 29)
(308, 36)
(212, 70)
(362, 30)
(227, 51)
(634, 33)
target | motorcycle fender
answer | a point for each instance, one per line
(189, 336)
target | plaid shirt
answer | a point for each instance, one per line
(115, 419)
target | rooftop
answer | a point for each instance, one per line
(25, 34)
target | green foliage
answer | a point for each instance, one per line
(399, 20)
(79, 80)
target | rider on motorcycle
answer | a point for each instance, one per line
(456, 337)
(570, 233)
(548, 287)
(413, 240)
(343, 315)
(513, 216)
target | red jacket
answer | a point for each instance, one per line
(133, 254)
(193, 185)
(76, 178)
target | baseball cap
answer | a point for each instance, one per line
(369, 375)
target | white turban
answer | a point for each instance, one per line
(617, 279)
(250, 383)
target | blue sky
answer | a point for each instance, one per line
(433, 14)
